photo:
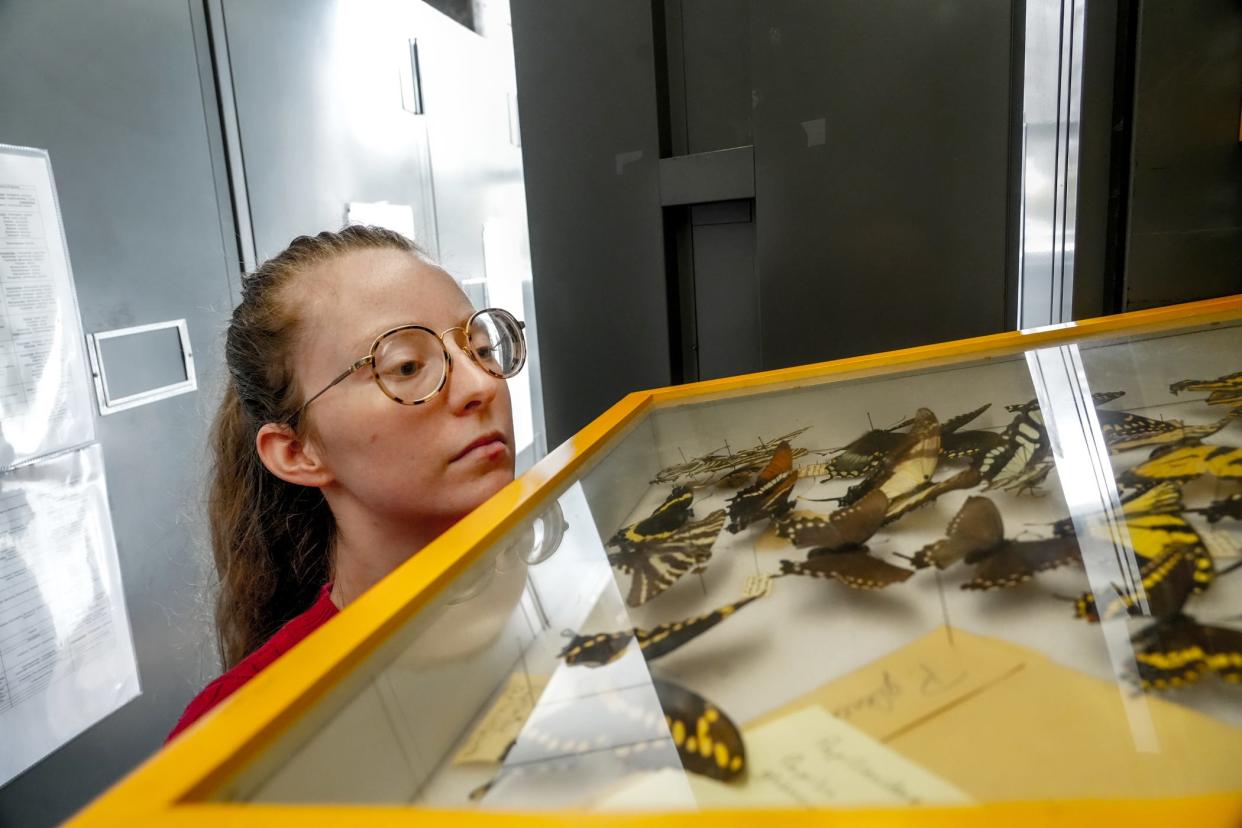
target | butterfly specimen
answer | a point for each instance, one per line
(908, 502)
(1226, 390)
(668, 517)
(909, 467)
(707, 742)
(768, 496)
(1218, 509)
(604, 648)
(1186, 462)
(712, 467)
(1161, 499)
(1178, 650)
(1022, 459)
(1173, 564)
(656, 565)
(1122, 427)
(840, 553)
(865, 454)
(852, 567)
(847, 528)
(1179, 434)
(976, 535)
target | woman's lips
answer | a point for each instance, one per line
(489, 445)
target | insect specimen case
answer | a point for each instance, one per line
(995, 576)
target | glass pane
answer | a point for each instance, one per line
(891, 652)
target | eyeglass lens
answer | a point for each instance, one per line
(410, 363)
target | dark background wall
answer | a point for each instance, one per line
(879, 145)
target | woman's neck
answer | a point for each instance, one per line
(365, 549)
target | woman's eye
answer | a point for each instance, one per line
(408, 368)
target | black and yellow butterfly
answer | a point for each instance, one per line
(976, 535)
(1178, 650)
(703, 739)
(1185, 463)
(604, 648)
(1226, 390)
(1179, 435)
(1161, 499)
(667, 518)
(655, 565)
(1173, 564)
(1230, 507)
(768, 496)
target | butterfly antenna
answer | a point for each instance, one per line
(903, 556)
(870, 424)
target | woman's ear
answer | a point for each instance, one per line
(289, 457)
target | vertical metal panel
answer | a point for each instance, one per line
(1052, 95)
(726, 291)
(317, 86)
(882, 147)
(591, 152)
(716, 63)
(1092, 280)
(1185, 239)
(113, 91)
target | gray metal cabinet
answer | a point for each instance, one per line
(113, 91)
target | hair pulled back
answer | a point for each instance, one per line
(271, 540)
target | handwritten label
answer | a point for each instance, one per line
(808, 758)
(920, 680)
(502, 723)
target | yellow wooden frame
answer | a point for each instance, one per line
(175, 786)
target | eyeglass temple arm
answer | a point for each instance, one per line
(339, 378)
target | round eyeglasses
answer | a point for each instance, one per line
(411, 363)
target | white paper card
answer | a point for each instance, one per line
(45, 392)
(66, 654)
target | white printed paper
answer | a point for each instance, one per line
(66, 654)
(45, 402)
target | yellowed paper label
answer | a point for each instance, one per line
(502, 723)
(757, 585)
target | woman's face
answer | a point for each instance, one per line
(399, 462)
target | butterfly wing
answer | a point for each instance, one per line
(916, 464)
(1178, 464)
(596, 650)
(768, 495)
(968, 445)
(952, 424)
(965, 479)
(976, 528)
(854, 569)
(669, 516)
(707, 741)
(654, 567)
(848, 526)
(662, 640)
(862, 455)
(1167, 581)
(1016, 561)
(1173, 654)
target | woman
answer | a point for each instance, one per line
(360, 422)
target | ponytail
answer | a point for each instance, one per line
(271, 540)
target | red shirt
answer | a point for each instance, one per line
(249, 667)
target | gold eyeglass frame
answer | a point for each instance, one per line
(446, 369)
